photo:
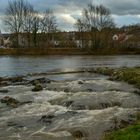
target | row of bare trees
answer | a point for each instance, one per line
(21, 17)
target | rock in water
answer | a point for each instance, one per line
(10, 101)
(80, 82)
(47, 119)
(78, 134)
(4, 91)
(37, 88)
(42, 80)
(16, 79)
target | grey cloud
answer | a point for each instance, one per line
(118, 7)
(122, 7)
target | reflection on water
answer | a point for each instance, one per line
(19, 65)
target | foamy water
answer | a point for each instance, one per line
(72, 110)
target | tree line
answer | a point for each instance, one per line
(21, 17)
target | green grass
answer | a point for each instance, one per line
(129, 75)
(129, 133)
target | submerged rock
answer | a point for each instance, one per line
(80, 82)
(78, 134)
(13, 124)
(68, 103)
(19, 80)
(47, 118)
(89, 90)
(42, 80)
(137, 92)
(16, 79)
(4, 83)
(4, 91)
(10, 101)
(37, 88)
(66, 90)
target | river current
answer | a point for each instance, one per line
(71, 106)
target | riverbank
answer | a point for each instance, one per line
(69, 51)
(129, 75)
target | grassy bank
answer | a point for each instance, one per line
(132, 76)
(69, 51)
(129, 75)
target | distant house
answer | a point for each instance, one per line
(22, 40)
(115, 37)
(79, 43)
(56, 43)
(5, 40)
(119, 37)
(1, 40)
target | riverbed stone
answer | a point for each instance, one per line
(47, 119)
(10, 101)
(4, 83)
(16, 79)
(78, 134)
(4, 91)
(80, 82)
(41, 80)
(66, 90)
(37, 88)
(68, 103)
(137, 92)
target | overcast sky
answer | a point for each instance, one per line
(67, 11)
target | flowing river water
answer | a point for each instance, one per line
(71, 106)
(20, 65)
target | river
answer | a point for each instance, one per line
(71, 106)
(21, 65)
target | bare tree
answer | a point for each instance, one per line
(14, 16)
(35, 27)
(104, 19)
(48, 22)
(48, 25)
(28, 21)
(80, 26)
(93, 20)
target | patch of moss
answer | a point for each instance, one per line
(129, 133)
(129, 75)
